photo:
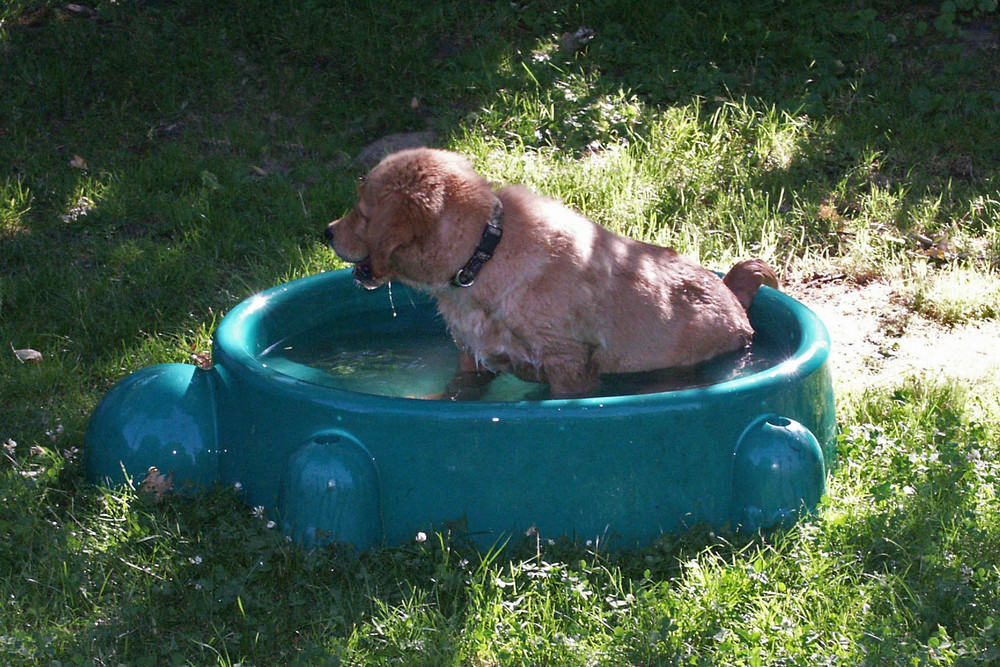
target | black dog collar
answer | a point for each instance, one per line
(466, 276)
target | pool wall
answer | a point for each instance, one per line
(330, 464)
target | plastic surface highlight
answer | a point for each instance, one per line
(330, 492)
(778, 472)
(163, 415)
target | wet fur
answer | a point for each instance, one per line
(562, 301)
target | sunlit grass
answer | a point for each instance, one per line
(15, 202)
(957, 295)
(693, 181)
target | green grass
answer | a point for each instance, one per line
(957, 295)
(163, 161)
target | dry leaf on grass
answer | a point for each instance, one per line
(27, 355)
(82, 11)
(829, 213)
(201, 358)
(157, 483)
(9, 448)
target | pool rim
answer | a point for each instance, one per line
(236, 338)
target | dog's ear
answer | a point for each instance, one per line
(404, 216)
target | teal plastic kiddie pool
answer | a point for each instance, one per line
(332, 463)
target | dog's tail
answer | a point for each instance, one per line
(747, 276)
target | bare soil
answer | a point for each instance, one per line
(878, 340)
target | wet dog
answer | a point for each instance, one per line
(530, 287)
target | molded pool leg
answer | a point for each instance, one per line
(778, 471)
(162, 416)
(330, 493)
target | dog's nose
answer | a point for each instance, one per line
(328, 234)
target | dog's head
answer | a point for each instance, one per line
(415, 213)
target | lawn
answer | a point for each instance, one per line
(162, 161)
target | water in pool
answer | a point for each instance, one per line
(418, 363)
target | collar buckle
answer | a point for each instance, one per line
(466, 276)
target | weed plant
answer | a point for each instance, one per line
(162, 161)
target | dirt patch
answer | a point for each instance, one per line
(877, 340)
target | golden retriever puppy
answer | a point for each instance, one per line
(530, 287)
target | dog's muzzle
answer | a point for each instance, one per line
(362, 272)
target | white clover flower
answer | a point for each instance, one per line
(421, 537)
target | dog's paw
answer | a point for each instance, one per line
(468, 385)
